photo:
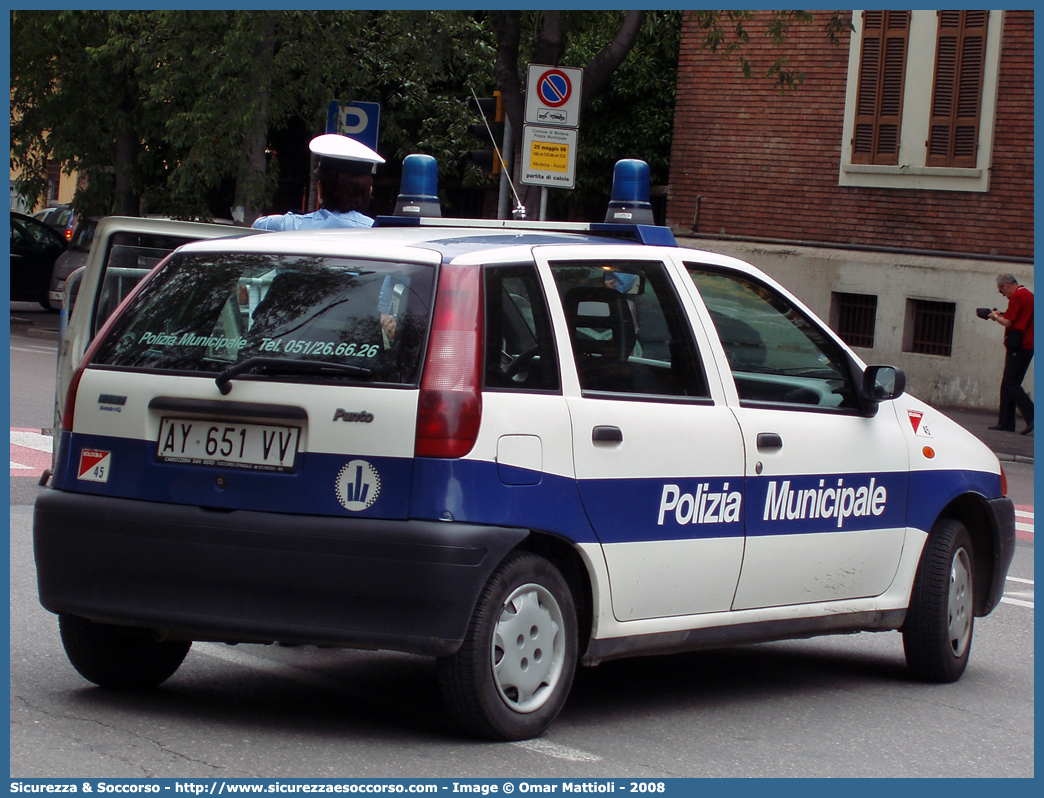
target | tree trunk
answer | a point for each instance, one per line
(250, 180)
(126, 200)
(549, 40)
(507, 27)
(602, 66)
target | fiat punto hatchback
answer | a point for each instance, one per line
(514, 447)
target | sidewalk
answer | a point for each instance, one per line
(1009, 446)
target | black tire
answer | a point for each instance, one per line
(119, 657)
(937, 634)
(502, 693)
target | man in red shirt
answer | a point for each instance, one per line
(1017, 321)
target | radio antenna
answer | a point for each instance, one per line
(520, 210)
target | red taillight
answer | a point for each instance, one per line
(70, 397)
(1004, 482)
(449, 411)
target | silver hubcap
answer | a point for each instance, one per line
(960, 605)
(528, 648)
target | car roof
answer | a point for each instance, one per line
(448, 242)
(440, 243)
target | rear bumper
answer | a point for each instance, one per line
(249, 576)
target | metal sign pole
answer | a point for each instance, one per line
(543, 203)
(507, 152)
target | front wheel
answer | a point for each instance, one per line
(937, 634)
(513, 672)
(122, 657)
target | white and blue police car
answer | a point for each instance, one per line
(516, 447)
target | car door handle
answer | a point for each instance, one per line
(768, 441)
(607, 434)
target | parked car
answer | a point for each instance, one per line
(60, 218)
(74, 257)
(34, 249)
(121, 250)
(515, 447)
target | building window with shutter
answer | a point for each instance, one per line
(953, 132)
(921, 99)
(882, 75)
(54, 181)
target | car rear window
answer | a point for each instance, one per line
(207, 313)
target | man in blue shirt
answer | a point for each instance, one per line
(344, 182)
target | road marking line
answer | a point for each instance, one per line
(35, 350)
(30, 452)
(1017, 579)
(1017, 602)
(557, 751)
(31, 439)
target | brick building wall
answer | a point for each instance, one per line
(748, 162)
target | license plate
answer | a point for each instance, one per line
(262, 447)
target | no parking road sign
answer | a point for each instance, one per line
(550, 134)
(553, 96)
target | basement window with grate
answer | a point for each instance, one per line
(853, 317)
(929, 327)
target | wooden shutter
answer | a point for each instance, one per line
(882, 77)
(960, 59)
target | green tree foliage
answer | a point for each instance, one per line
(75, 99)
(164, 111)
(169, 106)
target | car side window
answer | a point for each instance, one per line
(628, 330)
(520, 347)
(776, 353)
(34, 234)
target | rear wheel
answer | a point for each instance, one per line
(511, 676)
(937, 634)
(119, 656)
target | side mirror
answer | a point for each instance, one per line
(882, 383)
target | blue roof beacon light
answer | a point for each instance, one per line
(418, 191)
(630, 200)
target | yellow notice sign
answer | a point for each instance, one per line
(549, 157)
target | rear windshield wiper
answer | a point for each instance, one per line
(284, 366)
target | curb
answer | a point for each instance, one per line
(38, 332)
(1014, 458)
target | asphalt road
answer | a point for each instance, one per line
(836, 706)
(839, 706)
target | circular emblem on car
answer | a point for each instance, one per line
(358, 485)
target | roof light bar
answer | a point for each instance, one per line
(419, 191)
(630, 200)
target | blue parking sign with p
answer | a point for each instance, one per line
(359, 121)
